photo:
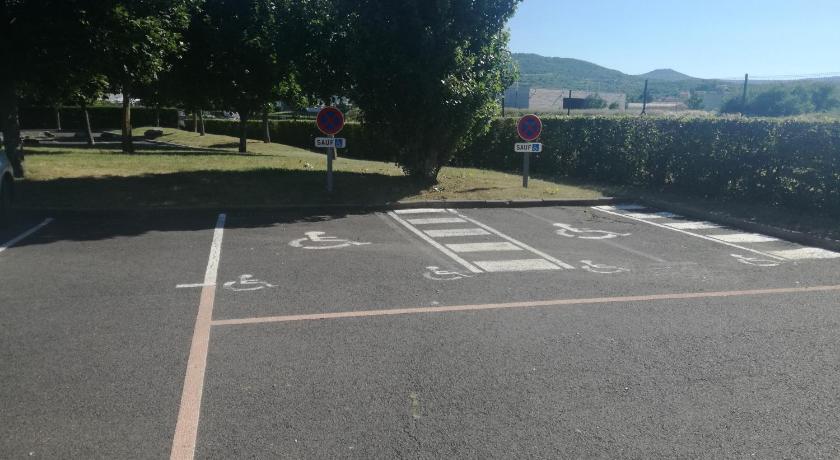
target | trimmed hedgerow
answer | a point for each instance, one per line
(792, 163)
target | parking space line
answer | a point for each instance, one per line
(530, 304)
(186, 428)
(696, 235)
(472, 268)
(25, 234)
(522, 245)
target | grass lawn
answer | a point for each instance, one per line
(209, 172)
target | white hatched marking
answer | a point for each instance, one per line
(693, 225)
(696, 235)
(522, 265)
(806, 253)
(522, 245)
(452, 232)
(435, 244)
(484, 247)
(437, 220)
(420, 211)
(744, 238)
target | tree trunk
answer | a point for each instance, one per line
(11, 127)
(243, 131)
(88, 130)
(58, 117)
(195, 121)
(157, 116)
(201, 122)
(127, 141)
(267, 135)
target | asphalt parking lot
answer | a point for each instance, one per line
(613, 331)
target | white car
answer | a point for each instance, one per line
(7, 185)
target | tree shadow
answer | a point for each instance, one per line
(188, 201)
(145, 148)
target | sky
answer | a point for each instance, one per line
(702, 38)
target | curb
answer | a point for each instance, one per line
(455, 204)
(755, 227)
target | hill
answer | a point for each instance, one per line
(667, 75)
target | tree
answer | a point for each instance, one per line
(35, 50)
(138, 38)
(695, 102)
(594, 101)
(428, 72)
(249, 60)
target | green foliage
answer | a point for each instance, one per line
(695, 102)
(138, 37)
(427, 73)
(594, 101)
(614, 106)
(784, 101)
(790, 163)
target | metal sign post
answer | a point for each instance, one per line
(529, 129)
(330, 121)
(330, 154)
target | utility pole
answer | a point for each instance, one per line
(744, 97)
(644, 98)
(570, 103)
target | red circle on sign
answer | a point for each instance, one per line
(529, 127)
(330, 120)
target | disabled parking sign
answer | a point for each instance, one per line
(529, 129)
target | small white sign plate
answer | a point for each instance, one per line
(528, 147)
(330, 142)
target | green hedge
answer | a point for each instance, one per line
(362, 142)
(100, 117)
(792, 163)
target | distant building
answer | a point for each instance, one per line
(521, 96)
(517, 96)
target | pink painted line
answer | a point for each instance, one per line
(186, 429)
(511, 305)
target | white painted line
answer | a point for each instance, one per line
(472, 268)
(696, 235)
(186, 428)
(437, 220)
(644, 215)
(744, 238)
(693, 225)
(420, 211)
(516, 242)
(668, 215)
(193, 285)
(23, 235)
(484, 247)
(523, 265)
(807, 253)
(453, 232)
